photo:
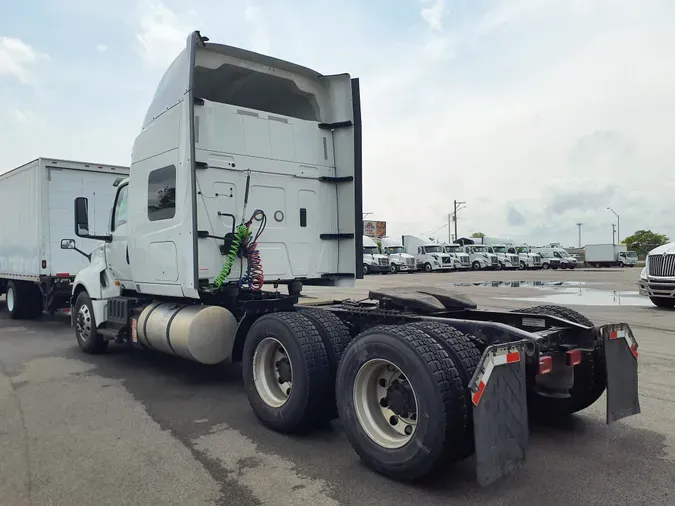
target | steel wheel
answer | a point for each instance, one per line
(83, 322)
(385, 404)
(272, 372)
(10, 299)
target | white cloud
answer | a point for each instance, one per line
(433, 15)
(16, 58)
(260, 36)
(162, 33)
(101, 48)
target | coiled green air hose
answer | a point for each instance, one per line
(240, 236)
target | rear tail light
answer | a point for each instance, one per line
(545, 364)
(573, 357)
(44, 264)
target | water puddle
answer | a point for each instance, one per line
(565, 292)
(588, 297)
(517, 284)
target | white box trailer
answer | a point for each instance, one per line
(608, 255)
(35, 273)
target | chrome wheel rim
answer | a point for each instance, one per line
(385, 403)
(10, 299)
(84, 322)
(272, 372)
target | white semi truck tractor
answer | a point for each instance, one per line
(246, 176)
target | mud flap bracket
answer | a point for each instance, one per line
(621, 353)
(499, 400)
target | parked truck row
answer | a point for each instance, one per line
(266, 192)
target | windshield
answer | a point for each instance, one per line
(522, 249)
(453, 249)
(433, 249)
(370, 250)
(479, 249)
(395, 249)
(499, 249)
(563, 253)
(632, 254)
(557, 254)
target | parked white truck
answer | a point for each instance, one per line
(246, 176)
(527, 259)
(463, 260)
(399, 260)
(373, 260)
(559, 256)
(429, 256)
(657, 279)
(609, 255)
(37, 201)
(479, 254)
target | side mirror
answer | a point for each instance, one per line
(82, 217)
(67, 243)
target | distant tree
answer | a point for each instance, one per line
(478, 235)
(643, 241)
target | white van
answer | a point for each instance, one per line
(399, 260)
(373, 260)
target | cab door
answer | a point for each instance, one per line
(117, 251)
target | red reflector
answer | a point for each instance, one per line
(545, 364)
(634, 351)
(63, 274)
(44, 264)
(613, 334)
(513, 357)
(574, 357)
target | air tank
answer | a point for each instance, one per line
(200, 333)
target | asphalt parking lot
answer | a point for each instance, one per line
(144, 429)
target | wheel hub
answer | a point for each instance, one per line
(400, 399)
(284, 370)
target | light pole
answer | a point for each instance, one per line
(579, 225)
(458, 206)
(618, 226)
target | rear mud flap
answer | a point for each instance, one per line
(622, 371)
(499, 398)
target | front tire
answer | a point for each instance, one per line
(475, 265)
(393, 268)
(522, 266)
(286, 372)
(400, 400)
(366, 269)
(428, 267)
(89, 340)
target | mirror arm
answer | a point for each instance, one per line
(86, 255)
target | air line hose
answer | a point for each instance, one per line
(240, 236)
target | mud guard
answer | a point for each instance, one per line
(621, 354)
(499, 399)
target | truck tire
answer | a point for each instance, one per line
(400, 401)
(393, 268)
(336, 337)
(286, 372)
(366, 269)
(590, 376)
(89, 340)
(522, 266)
(14, 300)
(663, 302)
(23, 300)
(428, 267)
(466, 356)
(475, 265)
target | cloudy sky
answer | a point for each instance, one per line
(538, 113)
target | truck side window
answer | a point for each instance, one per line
(162, 193)
(420, 250)
(120, 216)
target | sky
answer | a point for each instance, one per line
(539, 114)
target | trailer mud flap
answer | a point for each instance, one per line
(621, 353)
(499, 398)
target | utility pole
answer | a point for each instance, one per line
(579, 225)
(613, 232)
(457, 207)
(618, 225)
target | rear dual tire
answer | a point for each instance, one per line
(590, 377)
(421, 367)
(23, 300)
(289, 365)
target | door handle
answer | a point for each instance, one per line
(127, 253)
